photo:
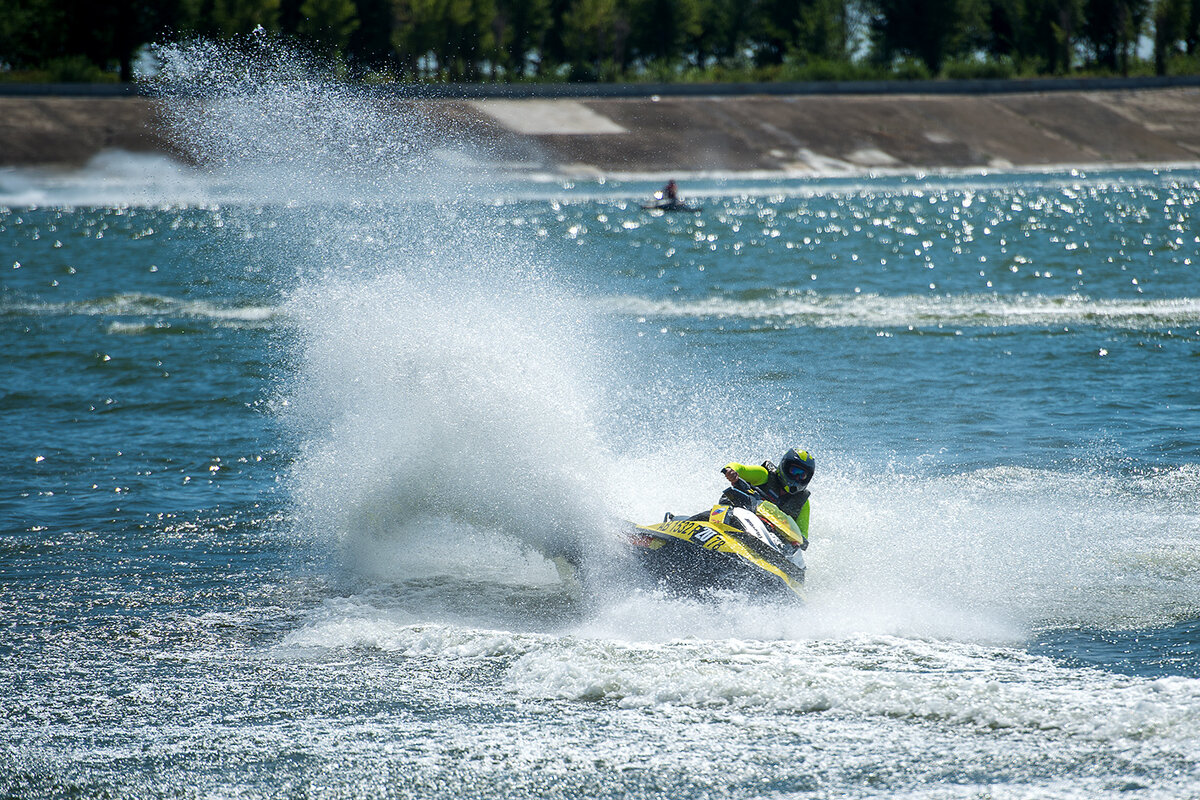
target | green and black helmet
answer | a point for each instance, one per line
(796, 469)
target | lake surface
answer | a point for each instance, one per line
(285, 437)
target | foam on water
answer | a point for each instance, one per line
(151, 307)
(425, 404)
(1022, 548)
(959, 686)
(951, 688)
(870, 310)
(112, 178)
(441, 380)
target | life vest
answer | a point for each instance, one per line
(789, 503)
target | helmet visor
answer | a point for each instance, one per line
(797, 472)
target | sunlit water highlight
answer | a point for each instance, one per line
(283, 461)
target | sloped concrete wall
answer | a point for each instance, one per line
(815, 132)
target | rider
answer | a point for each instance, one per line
(785, 485)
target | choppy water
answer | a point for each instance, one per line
(283, 436)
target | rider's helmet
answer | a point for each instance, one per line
(796, 470)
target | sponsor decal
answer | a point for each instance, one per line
(683, 527)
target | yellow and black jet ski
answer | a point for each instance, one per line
(742, 544)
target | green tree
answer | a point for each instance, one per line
(662, 28)
(454, 36)
(1041, 32)
(370, 45)
(1192, 38)
(928, 30)
(94, 37)
(1172, 18)
(472, 38)
(823, 30)
(421, 31)
(723, 34)
(554, 51)
(289, 16)
(407, 45)
(328, 24)
(30, 32)
(775, 29)
(525, 24)
(228, 18)
(595, 31)
(1112, 29)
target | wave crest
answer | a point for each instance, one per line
(873, 310)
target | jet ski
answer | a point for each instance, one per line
(671, 205)
(742, 545)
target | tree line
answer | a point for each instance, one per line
(625, 40)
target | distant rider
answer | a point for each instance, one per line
(785, 485)
(670, 192)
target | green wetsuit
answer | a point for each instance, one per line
(795, 504)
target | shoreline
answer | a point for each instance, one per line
(120, 179)
(776, 135)
(917, 172)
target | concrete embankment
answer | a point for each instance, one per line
(1025, 125)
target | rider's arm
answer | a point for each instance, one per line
(751, 473)
(802, 518)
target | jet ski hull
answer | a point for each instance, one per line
(694, 556)
(672, 207)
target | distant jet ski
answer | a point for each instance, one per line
(667, 199)
(670, 205)
(742, 545)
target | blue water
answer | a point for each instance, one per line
(280, 463)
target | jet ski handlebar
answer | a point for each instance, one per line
(738, 498)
